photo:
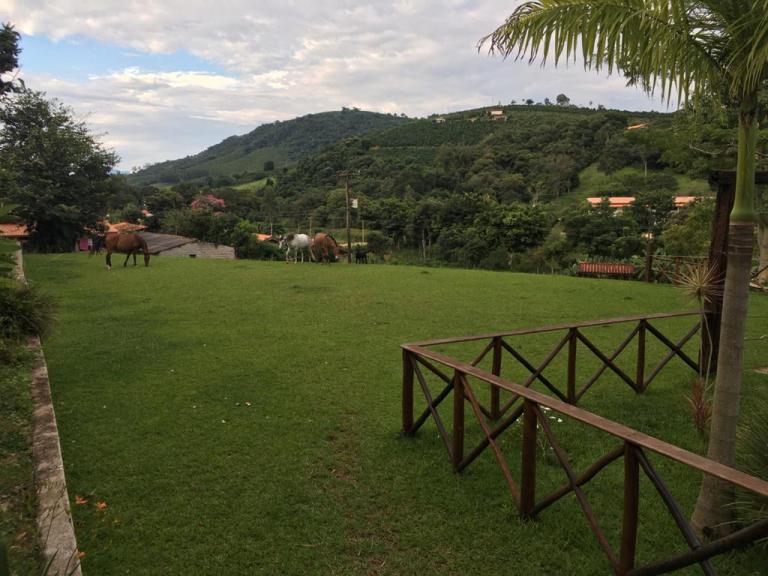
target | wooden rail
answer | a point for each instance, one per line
(419, 359)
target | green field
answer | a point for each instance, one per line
(243, 417)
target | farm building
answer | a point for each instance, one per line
(621, 202)
(171, 245)
(14, 231)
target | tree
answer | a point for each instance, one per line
(562, 100)
(61, 171)
(682, 47)
(9, 58)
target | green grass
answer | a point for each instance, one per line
(253, 185)
(153, 368)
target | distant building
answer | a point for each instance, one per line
(621, 202)
(681, 201)
(14, 231)
(123, 227)
(439, 120)
(181, 246)
(615, 202)
(638, 126)
(497, 114)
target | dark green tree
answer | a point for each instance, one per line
(9, 59)
(61, 171)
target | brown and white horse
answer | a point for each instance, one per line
(123, 243)
(323, 245)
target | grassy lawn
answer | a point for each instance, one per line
(242, 417)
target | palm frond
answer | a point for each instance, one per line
(665, 44)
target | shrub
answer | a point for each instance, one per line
(24, 311)
(255, 250)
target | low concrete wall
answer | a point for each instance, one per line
(56, 533)
(201, 250)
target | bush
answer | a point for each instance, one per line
(378, 243)
(255, 250)
(24, 311)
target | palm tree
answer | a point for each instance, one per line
(685, 48)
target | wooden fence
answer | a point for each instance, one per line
(527, 404)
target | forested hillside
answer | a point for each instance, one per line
(268, 147)
(501, 187)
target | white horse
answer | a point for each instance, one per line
(295, 244)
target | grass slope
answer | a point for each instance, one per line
(242, 417)
(280, 142)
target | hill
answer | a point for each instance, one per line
(243, 158)
(528, 153)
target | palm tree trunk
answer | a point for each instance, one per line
(712, 513)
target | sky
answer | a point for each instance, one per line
(159, 80)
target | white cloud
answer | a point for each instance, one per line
(284, 59)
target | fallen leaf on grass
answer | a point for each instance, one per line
(79, 500)
(101, 505)
(81, 555)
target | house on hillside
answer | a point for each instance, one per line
(497, 114)
(181, 246)
(618, 203)
(681, 201)
(439, 120)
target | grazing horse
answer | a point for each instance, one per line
(125, 244)
(295, 243)
(324, 245)
(361, 255)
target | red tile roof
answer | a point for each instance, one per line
(681, 201)
(123, 227)
(613, 202)
(14, 231)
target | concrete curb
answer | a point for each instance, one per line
(54, 519)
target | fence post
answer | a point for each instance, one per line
(640, 374)
(631, 502)
(528, 473)
(457, 453)
(407, 393)
(572, 342)
(496, 371)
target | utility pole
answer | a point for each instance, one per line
(346, 174)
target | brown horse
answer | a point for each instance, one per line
(324, 245)
(123, 243)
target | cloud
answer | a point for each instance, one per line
(282, 59)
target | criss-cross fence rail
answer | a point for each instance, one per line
(527, 404)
